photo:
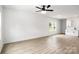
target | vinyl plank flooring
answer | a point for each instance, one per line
(57, 44)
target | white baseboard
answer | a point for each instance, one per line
(33, 37)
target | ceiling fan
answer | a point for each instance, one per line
(44, 8)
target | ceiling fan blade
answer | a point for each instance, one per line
(48, 6)
(38, 11)
(38, 7)
(49, 10)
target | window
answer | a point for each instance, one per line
(52, 26)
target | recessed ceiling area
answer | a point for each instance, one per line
(60, 11)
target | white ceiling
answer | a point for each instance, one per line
(65, 11)
(60, 11)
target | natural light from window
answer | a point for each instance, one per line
(52, 26)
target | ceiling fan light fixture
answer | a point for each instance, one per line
(43, 12)
(44, 9)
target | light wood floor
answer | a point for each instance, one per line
(57, 44)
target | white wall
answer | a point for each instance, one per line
(0, 21)
(1, 41)
(63, 25)
(22, 24)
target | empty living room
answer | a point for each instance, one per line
(39, 29)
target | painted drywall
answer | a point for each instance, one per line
(0, 21)
(64, 11)
(62, 25)
(1, 41)
(23, 23)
